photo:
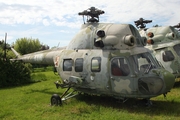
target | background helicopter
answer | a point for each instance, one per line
(105, 59)
(164, 41)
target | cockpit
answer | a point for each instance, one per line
(142, 63)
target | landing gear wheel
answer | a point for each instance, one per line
(56, 100)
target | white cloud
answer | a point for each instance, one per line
(28, 16)
(61, 13)
(46, 22)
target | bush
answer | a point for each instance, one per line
(13, 73)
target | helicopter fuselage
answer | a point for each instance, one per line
(165, 47)
(113, 72)
(107, 59)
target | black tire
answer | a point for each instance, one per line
(56, 100)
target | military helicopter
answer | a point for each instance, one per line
(164, 41)
(105, 59)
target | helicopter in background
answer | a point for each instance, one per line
(104, 59)
(177, 26)
(164, 41)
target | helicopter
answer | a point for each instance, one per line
(105, 59)
(164, 41)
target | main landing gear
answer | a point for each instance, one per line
(56, 100)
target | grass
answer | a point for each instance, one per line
(32, 102)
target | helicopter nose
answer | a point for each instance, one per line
(169, 80)
(157, 85)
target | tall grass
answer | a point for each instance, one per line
(32, 102)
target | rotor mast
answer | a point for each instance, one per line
(93, 13)
(141, 23)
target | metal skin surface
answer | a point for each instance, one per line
(87, 63)
(166, 47)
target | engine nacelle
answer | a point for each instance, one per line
(170, 35)
(144, 41)
(129, 40)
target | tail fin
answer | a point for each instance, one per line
(15, 52)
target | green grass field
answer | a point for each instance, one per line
(32, 102)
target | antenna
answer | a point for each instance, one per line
(58, 44)
(93, 13)
(5, 46)
(141, 23)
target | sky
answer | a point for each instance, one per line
(56, 22)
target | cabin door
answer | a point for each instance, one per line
(121, 82)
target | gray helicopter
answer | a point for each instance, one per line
(164, 41)
(104, 59)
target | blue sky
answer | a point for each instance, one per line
(56, 22)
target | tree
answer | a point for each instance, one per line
(27, 45)
(3, 49)
(12, 73)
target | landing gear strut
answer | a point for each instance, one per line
(56, 100)
(148, 102)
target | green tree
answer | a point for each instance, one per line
(14, 73)
(1, 52)
(27, 45)
(3, 49)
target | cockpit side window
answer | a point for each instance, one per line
(67, 64)
(167, 56)
(119, 67)
(96, 64)
(143, 62)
